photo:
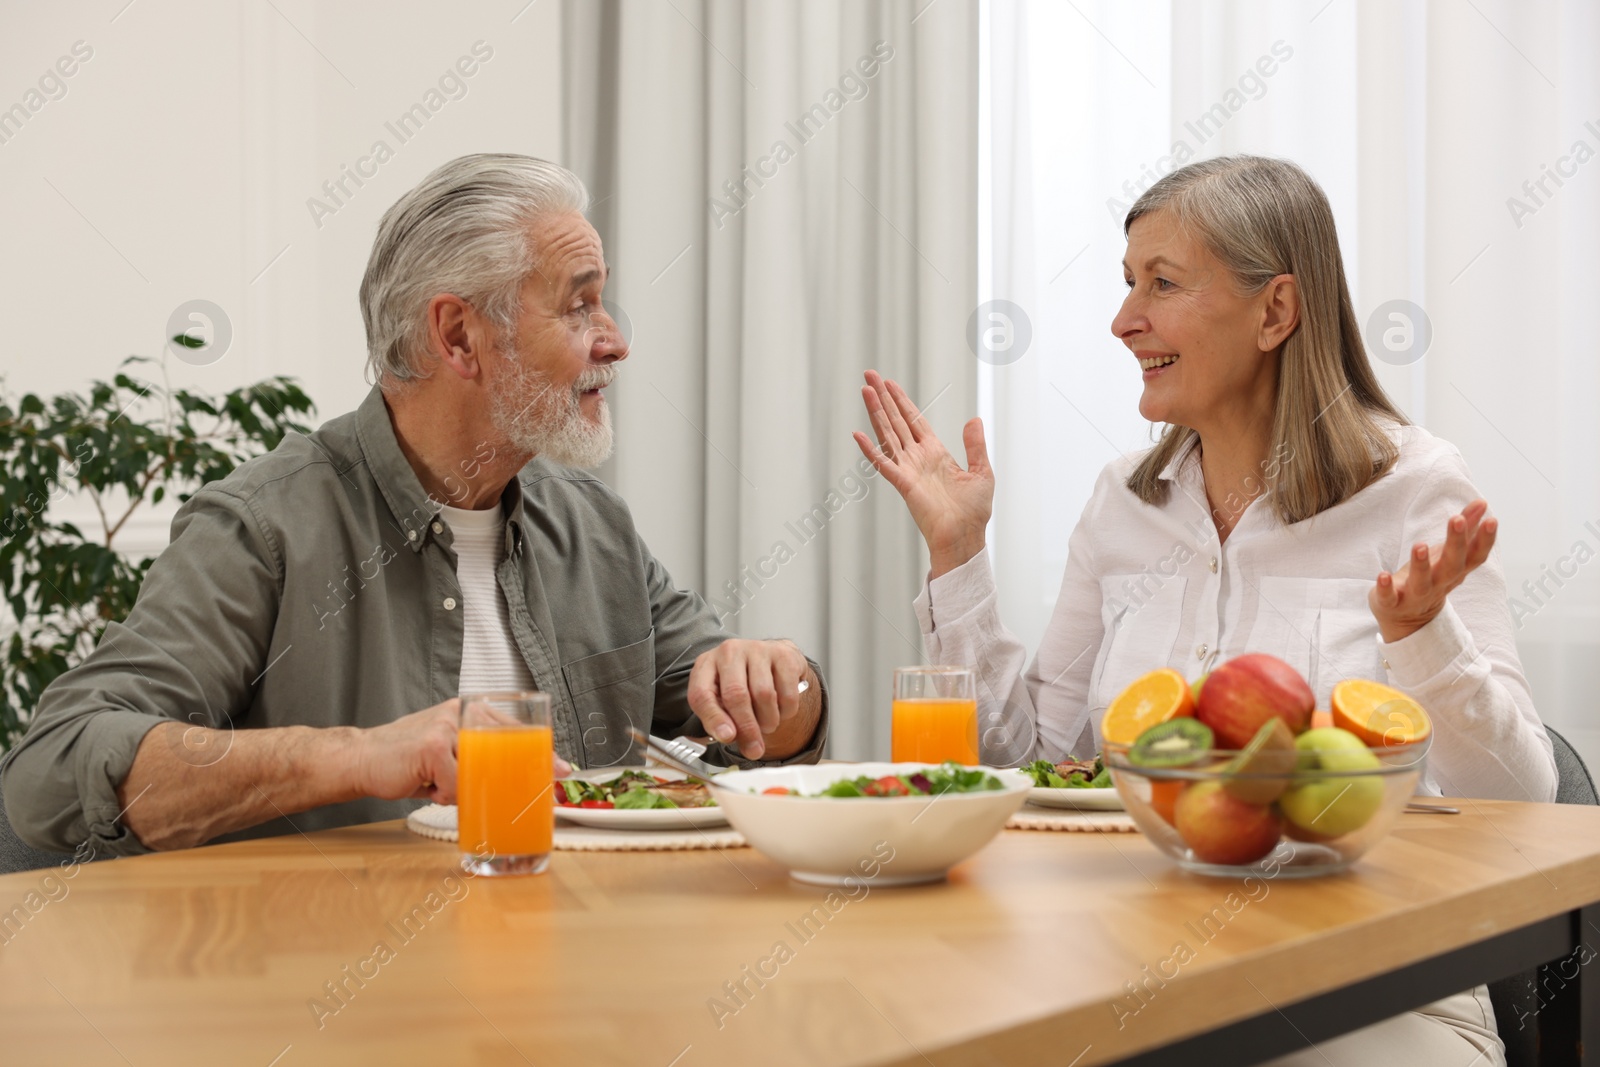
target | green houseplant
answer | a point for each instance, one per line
(125, 443)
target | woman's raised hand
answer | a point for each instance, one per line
(1410, 598)
(951, 506)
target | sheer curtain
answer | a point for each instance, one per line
(1457, 143)
(787, 195)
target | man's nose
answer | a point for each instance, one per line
(606, 342)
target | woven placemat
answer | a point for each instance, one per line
(438, 821)
(1101, 822)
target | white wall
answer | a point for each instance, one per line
(180, 160)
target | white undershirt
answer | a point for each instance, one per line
(489, 657)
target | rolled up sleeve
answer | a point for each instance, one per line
(189, 652)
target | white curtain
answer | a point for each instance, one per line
(787, 195)
(1460, 146)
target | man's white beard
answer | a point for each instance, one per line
(534, 416)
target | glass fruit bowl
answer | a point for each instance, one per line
(1307, 811)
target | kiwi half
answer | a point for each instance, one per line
(1174, 743)
(1267, 763)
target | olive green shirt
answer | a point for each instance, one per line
(316, 586)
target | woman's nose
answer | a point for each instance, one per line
(1129, 320)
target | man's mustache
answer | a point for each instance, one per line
(598, 378)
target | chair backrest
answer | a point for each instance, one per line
(16, 854)
(1574, 783)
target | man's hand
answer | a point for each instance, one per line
(1409, 599)
(748, 691)
(413, 756)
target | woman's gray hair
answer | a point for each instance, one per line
(462, 230)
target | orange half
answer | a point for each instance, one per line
(1378, 714)
(1151, 699)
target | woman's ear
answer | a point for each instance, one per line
(1280, 311)
(455, 335)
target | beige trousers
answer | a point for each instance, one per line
(1457, 1031)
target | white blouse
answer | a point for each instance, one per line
(1149, 586)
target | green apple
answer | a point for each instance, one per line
(1330, 805)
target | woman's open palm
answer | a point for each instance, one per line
(950, 505)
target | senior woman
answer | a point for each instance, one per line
(1288, 507)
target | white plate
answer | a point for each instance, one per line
(1105, 799)
(643, 818)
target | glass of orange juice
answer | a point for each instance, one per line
(505, 810)
(935, 715)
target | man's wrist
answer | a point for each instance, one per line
(337, 755)
(800, 731)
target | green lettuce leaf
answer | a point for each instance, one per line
(641, 800)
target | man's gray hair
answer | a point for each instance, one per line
(462, 230)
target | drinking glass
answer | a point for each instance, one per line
(504, 762)
(935, 715)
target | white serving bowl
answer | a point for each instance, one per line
(875, 841)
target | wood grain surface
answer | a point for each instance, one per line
(366, 945)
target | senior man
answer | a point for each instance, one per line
(435, 541)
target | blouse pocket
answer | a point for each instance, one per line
(1141, 628)
(611, 691)
(1347, 638)
(1319, 626)
(1286, 621)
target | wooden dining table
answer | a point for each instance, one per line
(367, 945)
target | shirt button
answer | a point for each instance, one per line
(411, 535)
(1386, 665)
(438, 527)
(1200, 653)
(1213, 564)
(449, 603)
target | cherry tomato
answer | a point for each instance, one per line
(887, 786)
(596, 804)
(776, 791)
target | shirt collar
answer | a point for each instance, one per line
(414, 510)
(1181, 459)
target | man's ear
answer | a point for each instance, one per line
(458, 337)
(1280, 311)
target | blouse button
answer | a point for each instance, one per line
(1200, 653)
(411, 535)
(449, 603)
(1213, 564)
(438, 527)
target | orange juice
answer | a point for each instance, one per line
(934, 730)
(503, 789)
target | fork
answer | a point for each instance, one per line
(685, 752)
(690, 752)
(1431, 809)
(656, 747)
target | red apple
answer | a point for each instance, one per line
(1223, 829)
(1242, 694)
